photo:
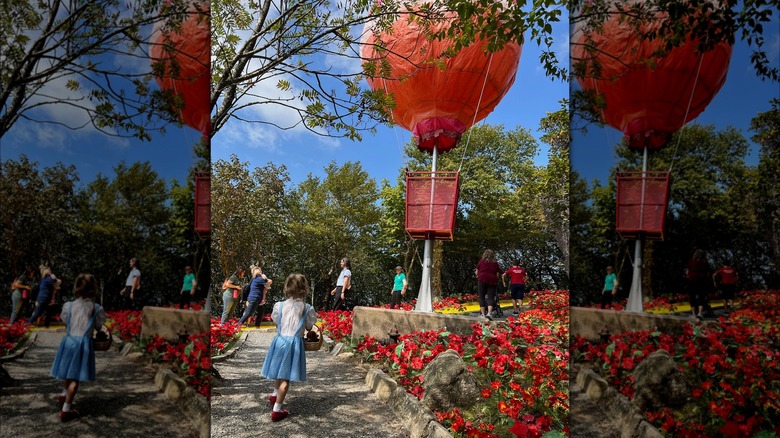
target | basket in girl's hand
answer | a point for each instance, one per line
(102, 341)
(312, 340)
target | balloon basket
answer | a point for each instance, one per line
(642, 199)
(203, 204)
(431, 204)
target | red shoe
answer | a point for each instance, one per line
(272, 399)
(278, 416)
(61, 399)
(67, 416)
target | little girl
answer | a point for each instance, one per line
(75, 359)
(286, 358)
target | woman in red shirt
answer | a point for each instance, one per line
(487, 279)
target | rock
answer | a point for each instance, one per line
(659, 383)
(448, 383)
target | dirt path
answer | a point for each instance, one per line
(333, 402)
(122, 402)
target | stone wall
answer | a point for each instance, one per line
(377, 322)
(588, 322)
(166, 322)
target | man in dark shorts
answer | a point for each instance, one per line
(517, 279)
(698, 275)
(728, 284)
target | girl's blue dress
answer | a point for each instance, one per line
(75, 358)
(286, 358)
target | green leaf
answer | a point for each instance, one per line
(610, 348)
(399, 348)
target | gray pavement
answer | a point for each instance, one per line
(123, 402)
(333, 402)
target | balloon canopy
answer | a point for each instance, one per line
(647, 97)
(183, 56)
(437, 96)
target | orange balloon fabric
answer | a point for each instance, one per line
(185, 56)
(647, 102)
(437, 102)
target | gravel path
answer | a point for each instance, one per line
(333, 402)
(122, 402)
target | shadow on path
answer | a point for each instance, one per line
(123, 402)
(333, 402)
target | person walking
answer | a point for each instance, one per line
(399, 288)
(285, 361)
(47, 293)
(343, 284)
(728, 284)
(187, 288)
(517, 280)
(698, 282)
(22, 287)
(231, 289)
(487, 272)
(129, 294)
(610, 288)
(75, 358)
(257, 288)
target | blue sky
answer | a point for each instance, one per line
(741, 98)
(531, 97)
(92, 152)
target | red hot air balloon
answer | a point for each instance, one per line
(439, 103)
(184, 53)
(647, 98)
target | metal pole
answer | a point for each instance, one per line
(635, 294)
(424, 300)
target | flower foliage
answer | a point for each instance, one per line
(732, 366)
(11, 336)
(522, 366)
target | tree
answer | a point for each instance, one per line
(49, 219)
(337, 217)
(128, 216)
(62, 55)
(287, 55)
(711, 207)
(38, 214)
(766, 126)
(555, 192)
(250, 211)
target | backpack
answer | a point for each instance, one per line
(245, 291)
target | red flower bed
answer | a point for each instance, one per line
(336, 324)
(11, 336)
(522, 366)
(223, 335)
(732, 366)
(191, 359)
(126, 324)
